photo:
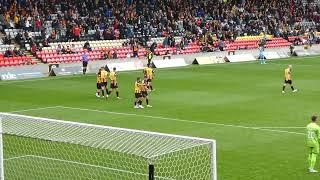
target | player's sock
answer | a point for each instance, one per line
(313, 161)
(140, 102)
(283, 87)
(309, 160)
(102, 92)
(135, 103)
(151, 87)
(117, 92)
(292, 88)
(147, 101)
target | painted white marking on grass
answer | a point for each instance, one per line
(38, 79)
(182, 120)
(33, 109)
(17, 157)
(83, 164)
(282, 127)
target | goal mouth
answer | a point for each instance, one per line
(39, 146)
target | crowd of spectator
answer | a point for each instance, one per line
(203, 20)
(16, 52)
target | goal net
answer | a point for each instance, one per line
(41, 148)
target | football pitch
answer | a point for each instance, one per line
(259, 131)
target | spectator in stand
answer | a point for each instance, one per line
(76, 33)
(7, 40)
(8, 53)
(87, 46)
(27, 25)
(221, 45)
(63, 50)
(16, 52)
(68, 50)
(45, 43)
(105, 55)
(59, 49)
(149, 57)
(34, 48)
(153, 47)
(182, 44)
(135, 49)
(37, 25)
(73, 49)
(110, 54)
(114, 55)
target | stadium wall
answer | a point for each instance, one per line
(23, 72)
(129, 64)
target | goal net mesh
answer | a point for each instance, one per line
(40, 148)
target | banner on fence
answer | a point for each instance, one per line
(22, 72)
(166, 63)
(240, 58)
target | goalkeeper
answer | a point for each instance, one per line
(313, 139)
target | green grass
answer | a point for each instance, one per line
(240, 94)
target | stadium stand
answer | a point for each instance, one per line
(126, 28)
(15, 61)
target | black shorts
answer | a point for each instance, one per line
(114, 85)
(104, 84)
(98, 85)
(288, 81)
(84, 63)
(144, 93)
(138, 95)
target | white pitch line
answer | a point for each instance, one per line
(282, 127)
(33, 109)
(17, 157)
(182, 120)
(84, 164)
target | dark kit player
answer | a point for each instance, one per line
(85, 60)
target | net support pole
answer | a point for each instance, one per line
(1, 152)
(151, 172)
(214, 160)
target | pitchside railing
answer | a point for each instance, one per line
(41, 148)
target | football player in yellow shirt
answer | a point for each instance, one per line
(113, 76)
(288, 79)
(104, 82)
(149, 75)
(145, 92)
(137, 93)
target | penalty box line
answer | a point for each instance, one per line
(33, 109)
(183, 120)
(280, 127)
(269, 129)
(82, 164)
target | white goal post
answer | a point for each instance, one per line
(42, 148)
